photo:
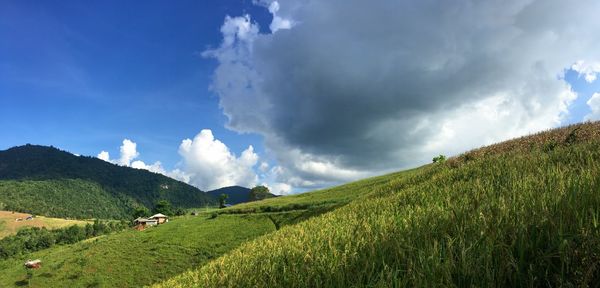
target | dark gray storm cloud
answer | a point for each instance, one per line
(358, 87)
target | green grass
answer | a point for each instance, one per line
(523, 213)
(2, 228)
(326, 199)
(8, 225)
(133, 258)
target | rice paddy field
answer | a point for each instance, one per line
(325, 199)
(523, 213)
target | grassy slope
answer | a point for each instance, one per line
(325, 199)
(521, 213)
(133, 258)
(62, 197)
(8, 225)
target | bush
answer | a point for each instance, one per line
(439, 159)
(549, 146)
(572, 137)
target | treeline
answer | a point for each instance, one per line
(34, 238)
(161, 206)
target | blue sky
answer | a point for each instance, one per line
(84, 76)
(579, 109)
(296, 95)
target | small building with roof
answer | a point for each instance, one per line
(160, 218)
(143, 222)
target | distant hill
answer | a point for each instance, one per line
(48, 181)
(237, 194)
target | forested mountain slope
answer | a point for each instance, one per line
(46, 180)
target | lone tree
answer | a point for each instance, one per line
(259, 193)
(223, 200)
(440, 158)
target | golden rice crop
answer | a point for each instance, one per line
(523, 214)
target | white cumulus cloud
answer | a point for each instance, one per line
(206, 163)
(211, 164)
(128, 152)
(594, 104)
(588, 69)
(103, 155)
(278, 22)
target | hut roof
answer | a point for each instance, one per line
(144, 220)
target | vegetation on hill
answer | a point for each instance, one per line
(65, 198)
(521, 213)
(238, 194)
(320, 200)
(10, 226)
(260, 193)
(31, 176)
(32, 239)
(235, 194)
(136, 258)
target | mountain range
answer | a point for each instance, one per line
(49, 181)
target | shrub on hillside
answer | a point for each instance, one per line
(438, 159)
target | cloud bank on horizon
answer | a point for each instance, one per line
(344, 89)
(207, 163)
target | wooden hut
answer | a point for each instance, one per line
(160, 218)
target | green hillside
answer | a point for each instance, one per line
(521, 213)
(327, 199)
(45, 180)
(137, 258)
(73, 198)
